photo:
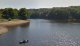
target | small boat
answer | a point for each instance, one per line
(24, 41)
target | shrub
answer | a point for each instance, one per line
(9, 19)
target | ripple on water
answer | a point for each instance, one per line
(61, 39)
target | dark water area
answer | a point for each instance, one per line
(41, 32)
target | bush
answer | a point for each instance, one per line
(9, 19)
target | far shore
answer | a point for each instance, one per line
(3, 29)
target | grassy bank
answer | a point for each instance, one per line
(3, 20)
(6, 20)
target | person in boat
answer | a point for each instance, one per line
(23, 40)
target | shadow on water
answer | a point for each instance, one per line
(13, 27)
(25, 24)
(21, 25)
(59, 21)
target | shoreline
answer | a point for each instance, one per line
(3, 29)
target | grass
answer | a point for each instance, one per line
(5, 20)
(14, 19)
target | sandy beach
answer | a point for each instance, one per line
(3, 29)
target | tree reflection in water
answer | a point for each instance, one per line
(25, 24)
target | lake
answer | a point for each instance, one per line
(42, 32)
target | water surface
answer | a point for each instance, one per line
(41, 32)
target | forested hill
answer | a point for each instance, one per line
(38, 13)
(56, 13)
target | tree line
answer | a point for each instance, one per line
(14, 13)
(56, 13)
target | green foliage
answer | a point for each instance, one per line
(56, 13)
(0, 16)
(3, 20)
(38, 13)
(23, 13)
(9, 19)
(14, 19)
(9, 13)
(14, 13)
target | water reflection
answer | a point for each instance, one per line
(12, 27)
(25, 24)
(63, 21)
(15, 27)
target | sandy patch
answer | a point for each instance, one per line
(4, 29)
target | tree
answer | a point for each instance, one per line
(5, 14)
(9, 13)
(16, 13)
(0, 15)
(23, 13)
